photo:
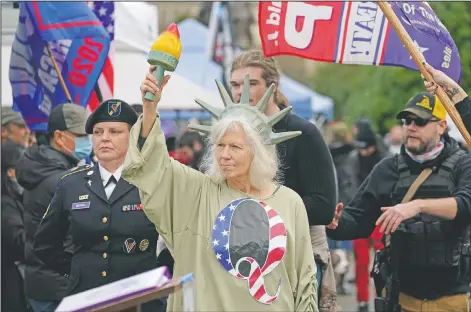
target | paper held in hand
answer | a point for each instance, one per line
(116, 291)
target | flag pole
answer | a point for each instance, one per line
(59, 74)
(98, 93)
(419, 59)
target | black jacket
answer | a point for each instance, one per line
(464, 109)
(112, 238)
(360, 215)
(13, 244)
(354, 167)
(308, 169)
(38, 171)
(13, 233)
(344, 174)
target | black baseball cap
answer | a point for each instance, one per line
(67, 117)
(366, 136)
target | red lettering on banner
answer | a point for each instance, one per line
(78, 79)
(79, 64)
(83, 64)
(98, 45)
(300, 28)
(88, 53)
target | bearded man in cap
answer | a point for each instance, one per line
(14, 127)
(38, 172)
(427, 235)
(113, 238)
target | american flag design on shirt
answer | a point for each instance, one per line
(276, 248)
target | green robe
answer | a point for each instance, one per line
(186, 207)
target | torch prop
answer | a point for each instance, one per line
(164, 55)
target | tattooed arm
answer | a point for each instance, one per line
(452, 89)
(456, 94)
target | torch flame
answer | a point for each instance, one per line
(169, 42)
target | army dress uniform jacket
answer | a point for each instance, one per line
(113, 239)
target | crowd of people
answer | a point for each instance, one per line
(255, 210)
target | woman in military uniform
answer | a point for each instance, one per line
(113, 239)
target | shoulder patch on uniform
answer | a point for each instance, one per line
(76, 170)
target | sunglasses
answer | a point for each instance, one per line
(419, 122)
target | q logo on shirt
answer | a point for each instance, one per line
(251, 235)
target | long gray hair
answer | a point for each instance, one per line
(265, 162)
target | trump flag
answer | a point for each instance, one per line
(79, 44)
(356, 33)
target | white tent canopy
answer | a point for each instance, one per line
(7, 98)
(133, 41)
(136, 25)
(179, 94)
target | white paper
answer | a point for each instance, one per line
(142, 282)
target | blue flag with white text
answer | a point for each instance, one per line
(79, 44)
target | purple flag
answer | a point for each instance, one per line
(430, 36)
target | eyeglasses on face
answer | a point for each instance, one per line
(419, 122)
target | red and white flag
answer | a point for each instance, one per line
(348, 32)
(105, 11)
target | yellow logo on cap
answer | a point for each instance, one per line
(425, 103)
(439, 110)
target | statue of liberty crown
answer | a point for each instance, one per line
(254, 115)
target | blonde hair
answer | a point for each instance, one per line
(339, 132)
(265, 162)
(271, 74)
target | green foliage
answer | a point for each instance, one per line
(380, 92)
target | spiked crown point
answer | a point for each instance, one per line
(254, 115)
